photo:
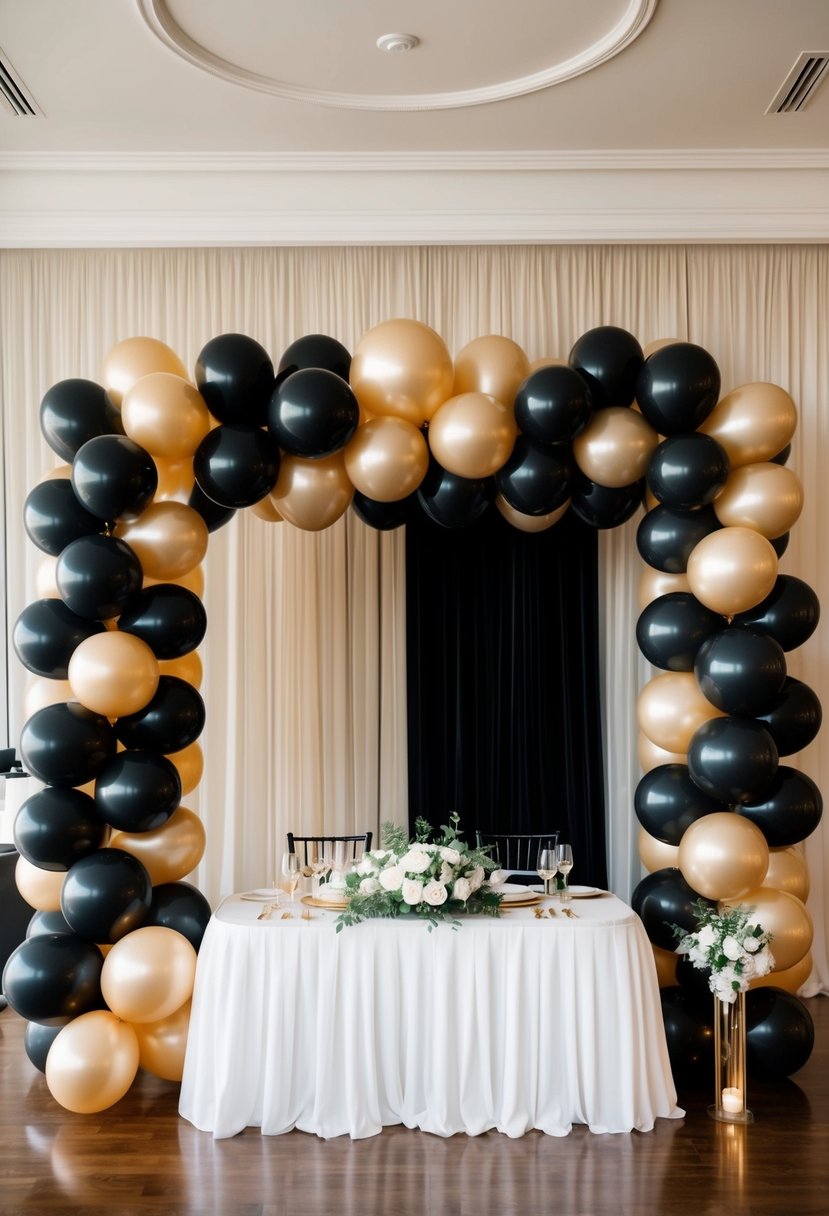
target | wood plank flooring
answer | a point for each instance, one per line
(140, 1159)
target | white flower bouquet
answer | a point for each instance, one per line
(731, 944)
(435, 879)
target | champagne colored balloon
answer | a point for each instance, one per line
(766, 497)
(312, 494)
(665, 962)
(175, 480)
(655, 583)
(40, 888)
(402, 368)
(166, 415)
(167, 853)
(493, 365)
(265, 509)
(546, 361)
(732, 570)
(650, 500)
(753, 422)
(169, 539)
(189, 763)
(148, 974)
(162, 1044)
(655, 854)
(530, 523)
(60, 470)
(788, 871)
(42, 692)
(651, 756)
(785, 917)
(659, 344)
(615, 447)
(720, 859)
(46, 587)
(92, 1062)
(193, 580)
(113, 673)
(129, 361)
(188, 667)
(670, 709)
(472, 435)
(387, 459)
(790, 980)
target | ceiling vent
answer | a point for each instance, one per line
(801, 84)
(14, 96)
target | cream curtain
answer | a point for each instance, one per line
(305, 656)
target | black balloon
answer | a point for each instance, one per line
(97, 576)
(314, 350)
(663, 899)
(689, 1034)
(678, 387)
(780, 543)
(732, 759)
(452, 501)
(171, 720)
(106, 895)
(180, 906)
(793, 718)
(605, 506)
(313, 413)
(666, 538)
(688, 470)
(56, 826)
(536, 478)
(75, 411)
(43, 923)
(610, 360)
(667, 802)
(46, 634)
(53, 517)
(672, 628)
(235, 376)
(694, 979)
(782, 456)
(740, 670)
(780, 1033)
(553, 405)
(137, 791)
(51, 979)
(790, 810)
(66, 744)
(214, 515)
(384, 516)
(170, 619)
(113, 476)
(237, 465)
(789, 613)
(37, 1040)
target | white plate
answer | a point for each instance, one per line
(263, 895)
(513, 890)
(578, 892)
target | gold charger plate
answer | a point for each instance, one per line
(520, 903)
(331, 904)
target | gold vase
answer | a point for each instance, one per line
(730, 1105)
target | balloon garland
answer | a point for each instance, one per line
(155, 462)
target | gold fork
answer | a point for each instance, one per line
(569, 912)
(287, 916)
(266, 912)
(550, 912)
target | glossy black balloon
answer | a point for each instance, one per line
(170, 721)
(671, 629)
(46, 634)
(536, 478)
(314, 350)
(236, 465)
(137, 791)
(214, 515)
(783, 455)
(452, 501)
(313, 413)
(694, 979)
(662, 899)
(53, 978)
(780, 1034)
(55, 827)
(43, 923)
(170, 619)
(689, 1034)
(666, 538)
(553, 405)
(780, 543)
(605, 506)
(37, 1040)
(180, 906)
(235, 376)
(688, 470)
(113, 476)
(609, 359)
(790, 810)
(678, 387)
(789, 613)
(740, 670)
(793, 718)
(384, 516)
(66, 744)
(667, 802)
(97, 576)
(75, 411)
(53, 517)
(732, 759)
(106, 895)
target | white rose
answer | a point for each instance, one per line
(379, 854)
(763, 961)
(476, 877)
(366, 866)
(416, 861)
(450, 855)
(412, 890)
(369, 886)
(461, 890)
(446, 872)
(498, 877)
(706, 937)
(751, 945)
(391, 878)
(731, 948)
(434, 893)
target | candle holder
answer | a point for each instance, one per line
(730, 1062)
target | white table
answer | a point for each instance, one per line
(511, 1023)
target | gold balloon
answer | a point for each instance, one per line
(732, 569)
(148, 974)
(129, 361)
(671, 707)
(753, 422)
(654, 583)
(720, 859)
(615, 447)
(189, 763)
(790, 980)
(60, 470)
(113, 673)
(493, 365)
(546, 361)
(167, 853)
(175, 480)
(650, 500)
(659, 344)
(665, 961)
(788, 871)
(92, 1062)
(785, 917)
(529, 523)
(402, 368)
(188, 667)
(46, 587)
(166, 415)
(40, 888)
(162, 1044)
(169, 539)
(42, 692)
(765, 497)
(312, 494)
(651, 756)
(193, 580)
(387, 459)
(472, 435)
(655, 854)
(264, 509)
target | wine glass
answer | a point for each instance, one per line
(290, 872)
(564, 858)
(547, 866)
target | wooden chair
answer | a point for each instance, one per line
(517, 852)
(15, 913)
(319, 843)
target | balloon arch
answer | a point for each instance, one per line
(156, 462)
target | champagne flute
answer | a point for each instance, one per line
(290, 872)
(547, 866)
(564, 858)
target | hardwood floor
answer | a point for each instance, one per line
(141, 1158)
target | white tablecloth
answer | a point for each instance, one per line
(511, 1023)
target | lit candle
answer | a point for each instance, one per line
(732, 1101)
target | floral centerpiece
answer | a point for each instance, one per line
(731, 944)
(435, 879)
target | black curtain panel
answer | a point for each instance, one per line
(504, 701)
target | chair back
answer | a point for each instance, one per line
(15, 913)
(517, 852)
(316, 845)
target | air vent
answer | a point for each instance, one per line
(801, 84)
(14, 96)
